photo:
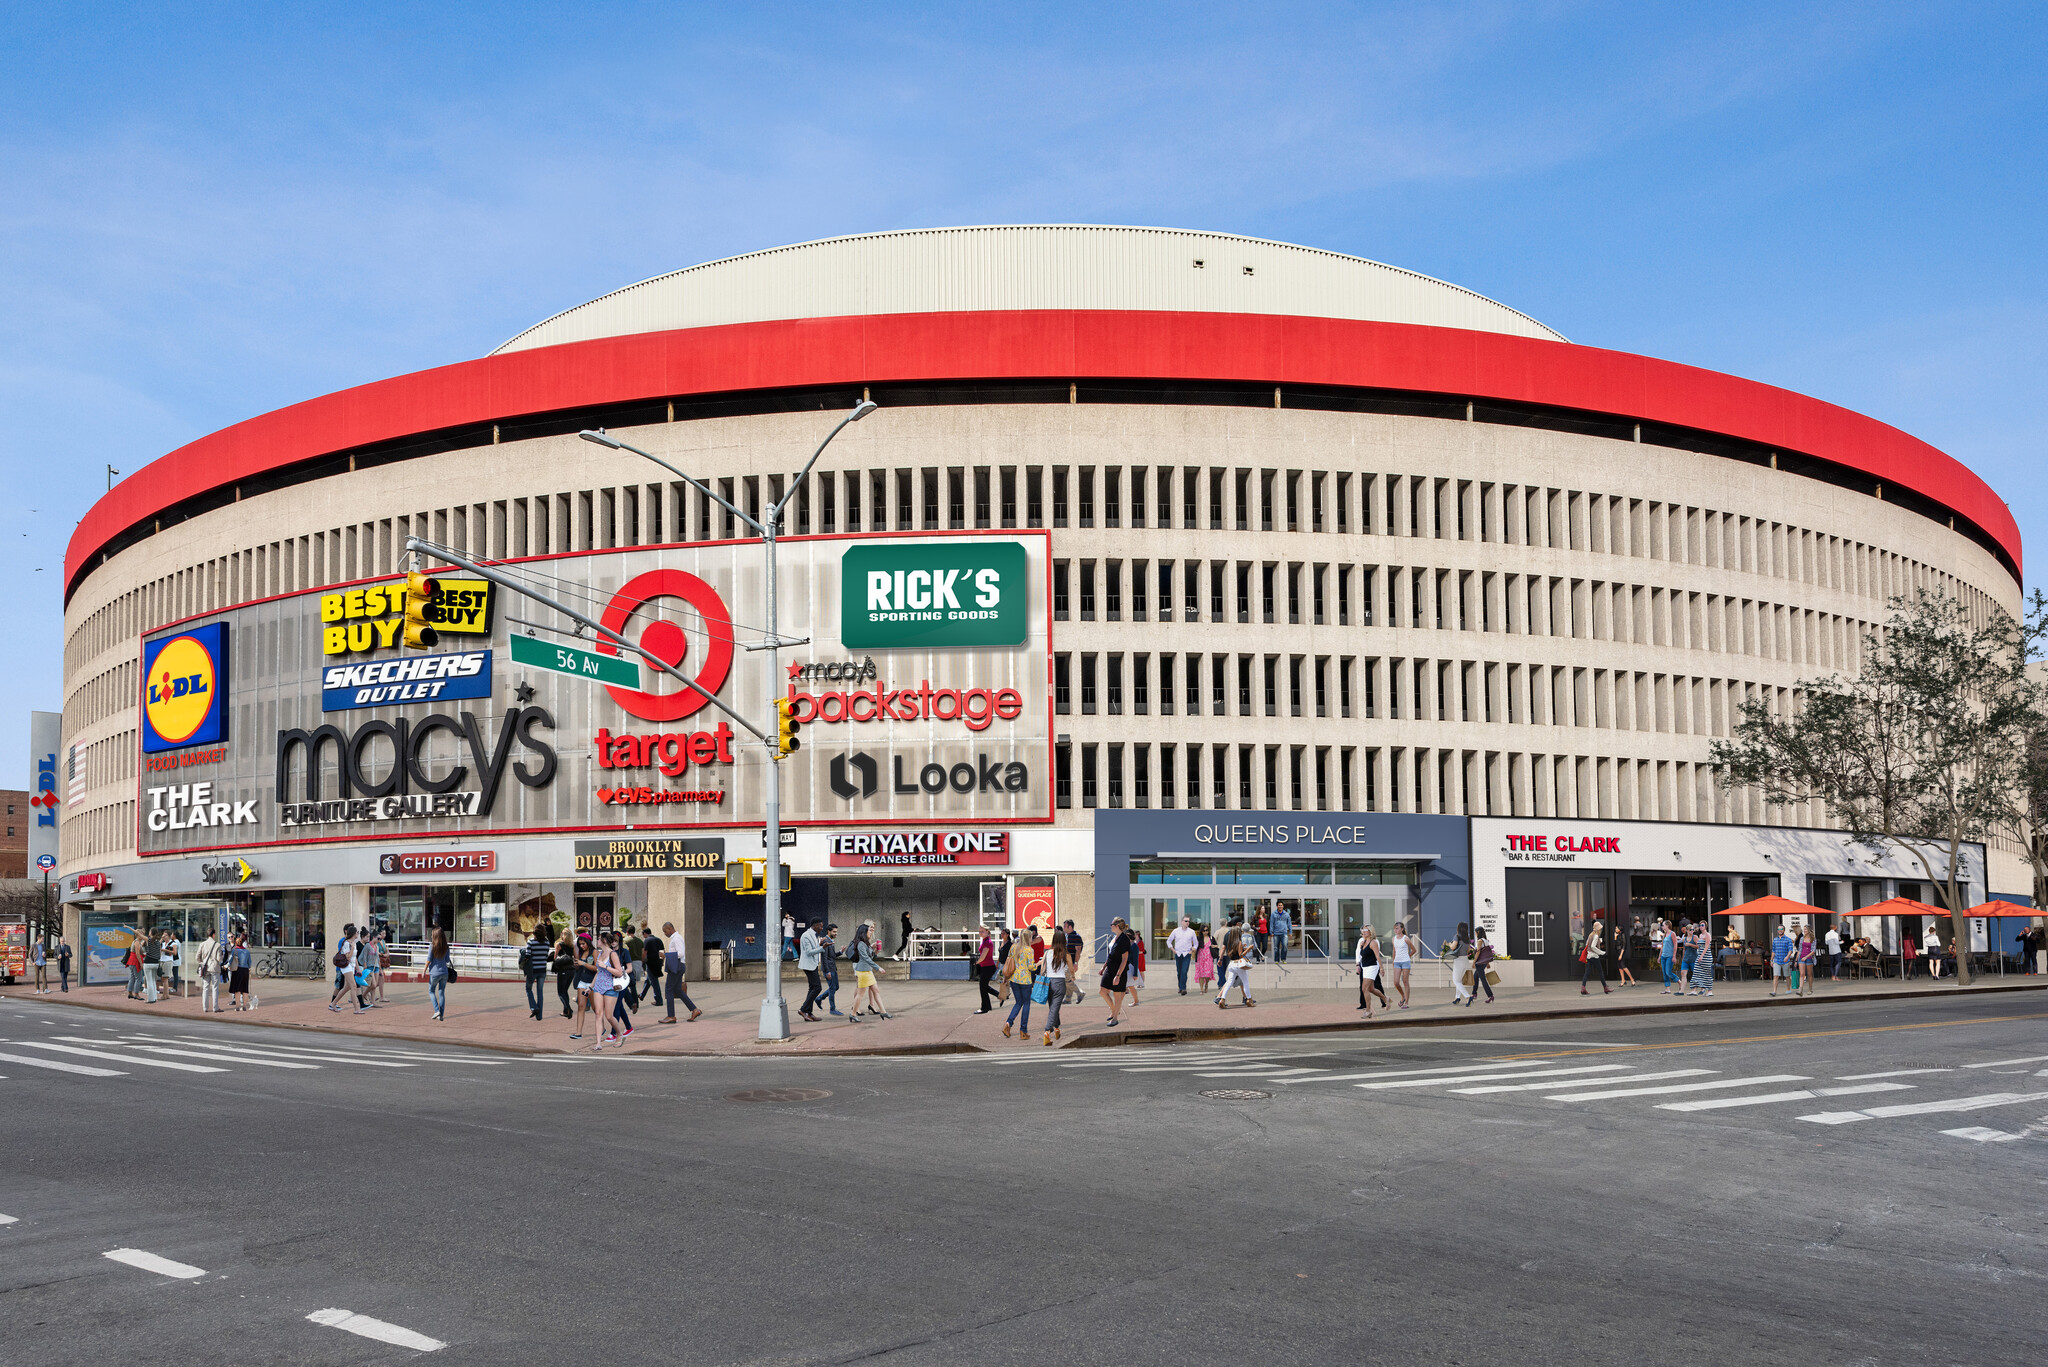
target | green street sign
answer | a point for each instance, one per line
(962, 592)
(584, 664)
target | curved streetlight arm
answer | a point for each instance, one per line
(860, 410)
(604, 438)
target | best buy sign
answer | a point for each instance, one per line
(962, 592)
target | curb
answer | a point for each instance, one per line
(1196, 1033)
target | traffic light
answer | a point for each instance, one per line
(786, 727)
(420, 593)
(739, 876)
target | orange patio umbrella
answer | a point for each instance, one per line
(1773, 905)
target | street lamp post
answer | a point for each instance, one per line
(774, 1009)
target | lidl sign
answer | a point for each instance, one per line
(961, 592)
(184, 689)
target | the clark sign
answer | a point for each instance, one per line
(934, 714)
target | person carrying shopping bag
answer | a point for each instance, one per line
(1020, 972)
(1482, 964)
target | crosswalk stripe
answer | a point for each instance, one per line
(150, 1262)
(220, 1058)
(122, 1058)
(55, 1066)
(1968, 1103)
(1896, 1072)
(284, 1053)
(1552, 1086)
(1681, 1087)
(1378, 1073)
(1265, 1074)
(1493, 1077)
(1983, 1135)
(1722, 1103)
(2009, 1062)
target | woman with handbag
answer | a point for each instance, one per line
(1703, 961)
(604, 988)
(1482, 964)
(1593, 955)
(437, 973)
(1367, 959)
(563, 963)
(1020, 972)
(1051, 987)
(1461, 966)
(866, 972)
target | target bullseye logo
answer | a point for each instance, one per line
(666, 641)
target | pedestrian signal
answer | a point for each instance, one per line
(739, 876)
(420, 593)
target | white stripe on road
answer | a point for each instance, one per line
(123, 1058)
(1552, 1086)
(55, 1066)
(1724, 1102)
(9, 1220)
(285, 1053)
(2009, 1062)
(350, 1322)
(1968, 1103)
(1681, 1087)
(1983, 1135)
(1896, 1072)
(149, 1262)
(1421, 1072)
(217, 1058)
(1496, 1077)
(1268, 1072)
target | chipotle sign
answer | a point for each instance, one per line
(438, 861)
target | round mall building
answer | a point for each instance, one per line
(1175, 574)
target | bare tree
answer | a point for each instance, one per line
(1921, 750)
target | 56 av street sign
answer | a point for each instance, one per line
(584, 664)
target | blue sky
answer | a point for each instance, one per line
(209, 212)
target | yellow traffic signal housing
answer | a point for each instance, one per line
(420, 593)
(739, 876)
(786, 727)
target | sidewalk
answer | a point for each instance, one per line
(938, 1017)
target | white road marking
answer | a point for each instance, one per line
(1269, 1072)
(1968, 1103)
(55, 1066)
(1552, 1086)
(149, 1262)
(9, 1220)
(1495, 1077)
(1681, 1087)
(1723, 1103)
(1896, 1072)
(217, 1058)
(1983, 1135)
(285, 1053)
(2009, 1062)
(350, 1322)
(1420, 1072)
(122, 1058)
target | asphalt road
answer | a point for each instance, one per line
(1692, 1189)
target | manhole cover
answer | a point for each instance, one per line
(1222, 1095)
(782, 1094)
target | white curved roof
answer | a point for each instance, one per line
(1045, 266)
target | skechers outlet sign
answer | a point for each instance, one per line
(958, 593)
(415, 678)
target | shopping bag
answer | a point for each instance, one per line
(1492, 978)
(1465, 980)
(1041, 991)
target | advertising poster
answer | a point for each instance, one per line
(106, 945)
(1036, 906)
(44, 740)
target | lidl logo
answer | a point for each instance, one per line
(185, 684)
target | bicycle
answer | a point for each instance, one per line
(270, 963)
